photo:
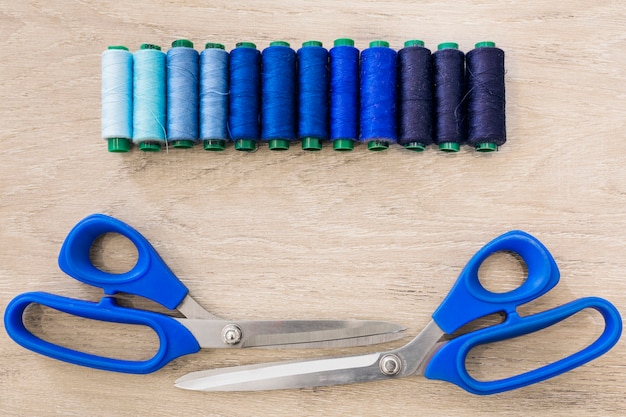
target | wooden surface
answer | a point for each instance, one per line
(356, 235)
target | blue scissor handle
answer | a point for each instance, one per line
(174, 339)
(448, 363)
(150, 277)
(469, 300)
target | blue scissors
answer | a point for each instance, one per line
(152, 279)
(435, 352)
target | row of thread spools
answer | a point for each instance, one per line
(377, 96)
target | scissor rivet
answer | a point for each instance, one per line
(231, 334)
(390, 365)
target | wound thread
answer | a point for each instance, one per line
(312, 95)
(415, 96)
(245, 96)
(214, 97)
(278, 87)
(378, 96)
(344, 94)
(486, 97)
(182, 94)
(117, 98)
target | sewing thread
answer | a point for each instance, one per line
(214, 97)
(182, 94)
(245, 96)
(344, 94)
(312, 95)
(117, 98)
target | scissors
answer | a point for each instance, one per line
(435, 353)
(152, 279)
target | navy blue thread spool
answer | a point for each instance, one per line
(278, 88)
(378, 96)
(312, 95)
(245, 96)
(415, 96)
(344, 94)
(449, 83)
(214, 96)
(182, 94)
(485, 97)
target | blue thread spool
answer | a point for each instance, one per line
(378, 96)
(214, 96)
(278, 86)
(117, 98)
(415, 127)
(344, 94)
(149, 110)
(182, 94)
(312, 95)
(486, 127)
(245, 96)
(449, 81)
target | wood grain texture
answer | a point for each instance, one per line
(315, 235)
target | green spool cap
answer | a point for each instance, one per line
(380, 43)
(119, 47)
(246, 145)
(343, 42)
(485, 44)
(119, 144)
(449, 147)
(311, 144)
(213, 45)
(343, 145)
(280, 43)
(278, 144)
(311, 43)
(150, 46)
(150, 146)
(184, 43)
(413, 42)
(415, 146)
(447, 45)
(377, 145)
(245, 45)
(182, 144)
(214, 145)
(486, 147)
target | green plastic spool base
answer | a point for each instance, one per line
(214, 145)
(415, 146)
(182, 43)
(343, 42)
(413, 42)
(449, 147)
(150, 146)
(245, 45)
(280, 43)
(377, 145)
(183, 144)
(448, 45)
(278, 144)
(485, 44)
(311, 144)
(486, 147)
(246, 145)
(379, 43)
(343, 145)
(311, 43)
(119, 144)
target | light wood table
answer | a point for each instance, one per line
(358, 235)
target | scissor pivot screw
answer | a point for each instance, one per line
(390, 365)
(231, 334)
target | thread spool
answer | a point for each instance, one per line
(117, 98)
(378, 96)
(312, 95)
(449, 82)
(245, 96)
(182, 94)
(415, 96)
(149, 95)
(344, 94)
(486, 97)
(278, 87)
(214, 96)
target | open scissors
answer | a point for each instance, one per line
(435, 353)
(152, 279)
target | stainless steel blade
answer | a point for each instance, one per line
(291, 333)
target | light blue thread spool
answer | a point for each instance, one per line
(214, 96)
(149, 96)
(117, 98)
(182, 94)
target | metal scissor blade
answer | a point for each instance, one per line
(292, 333)
(286, 375)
